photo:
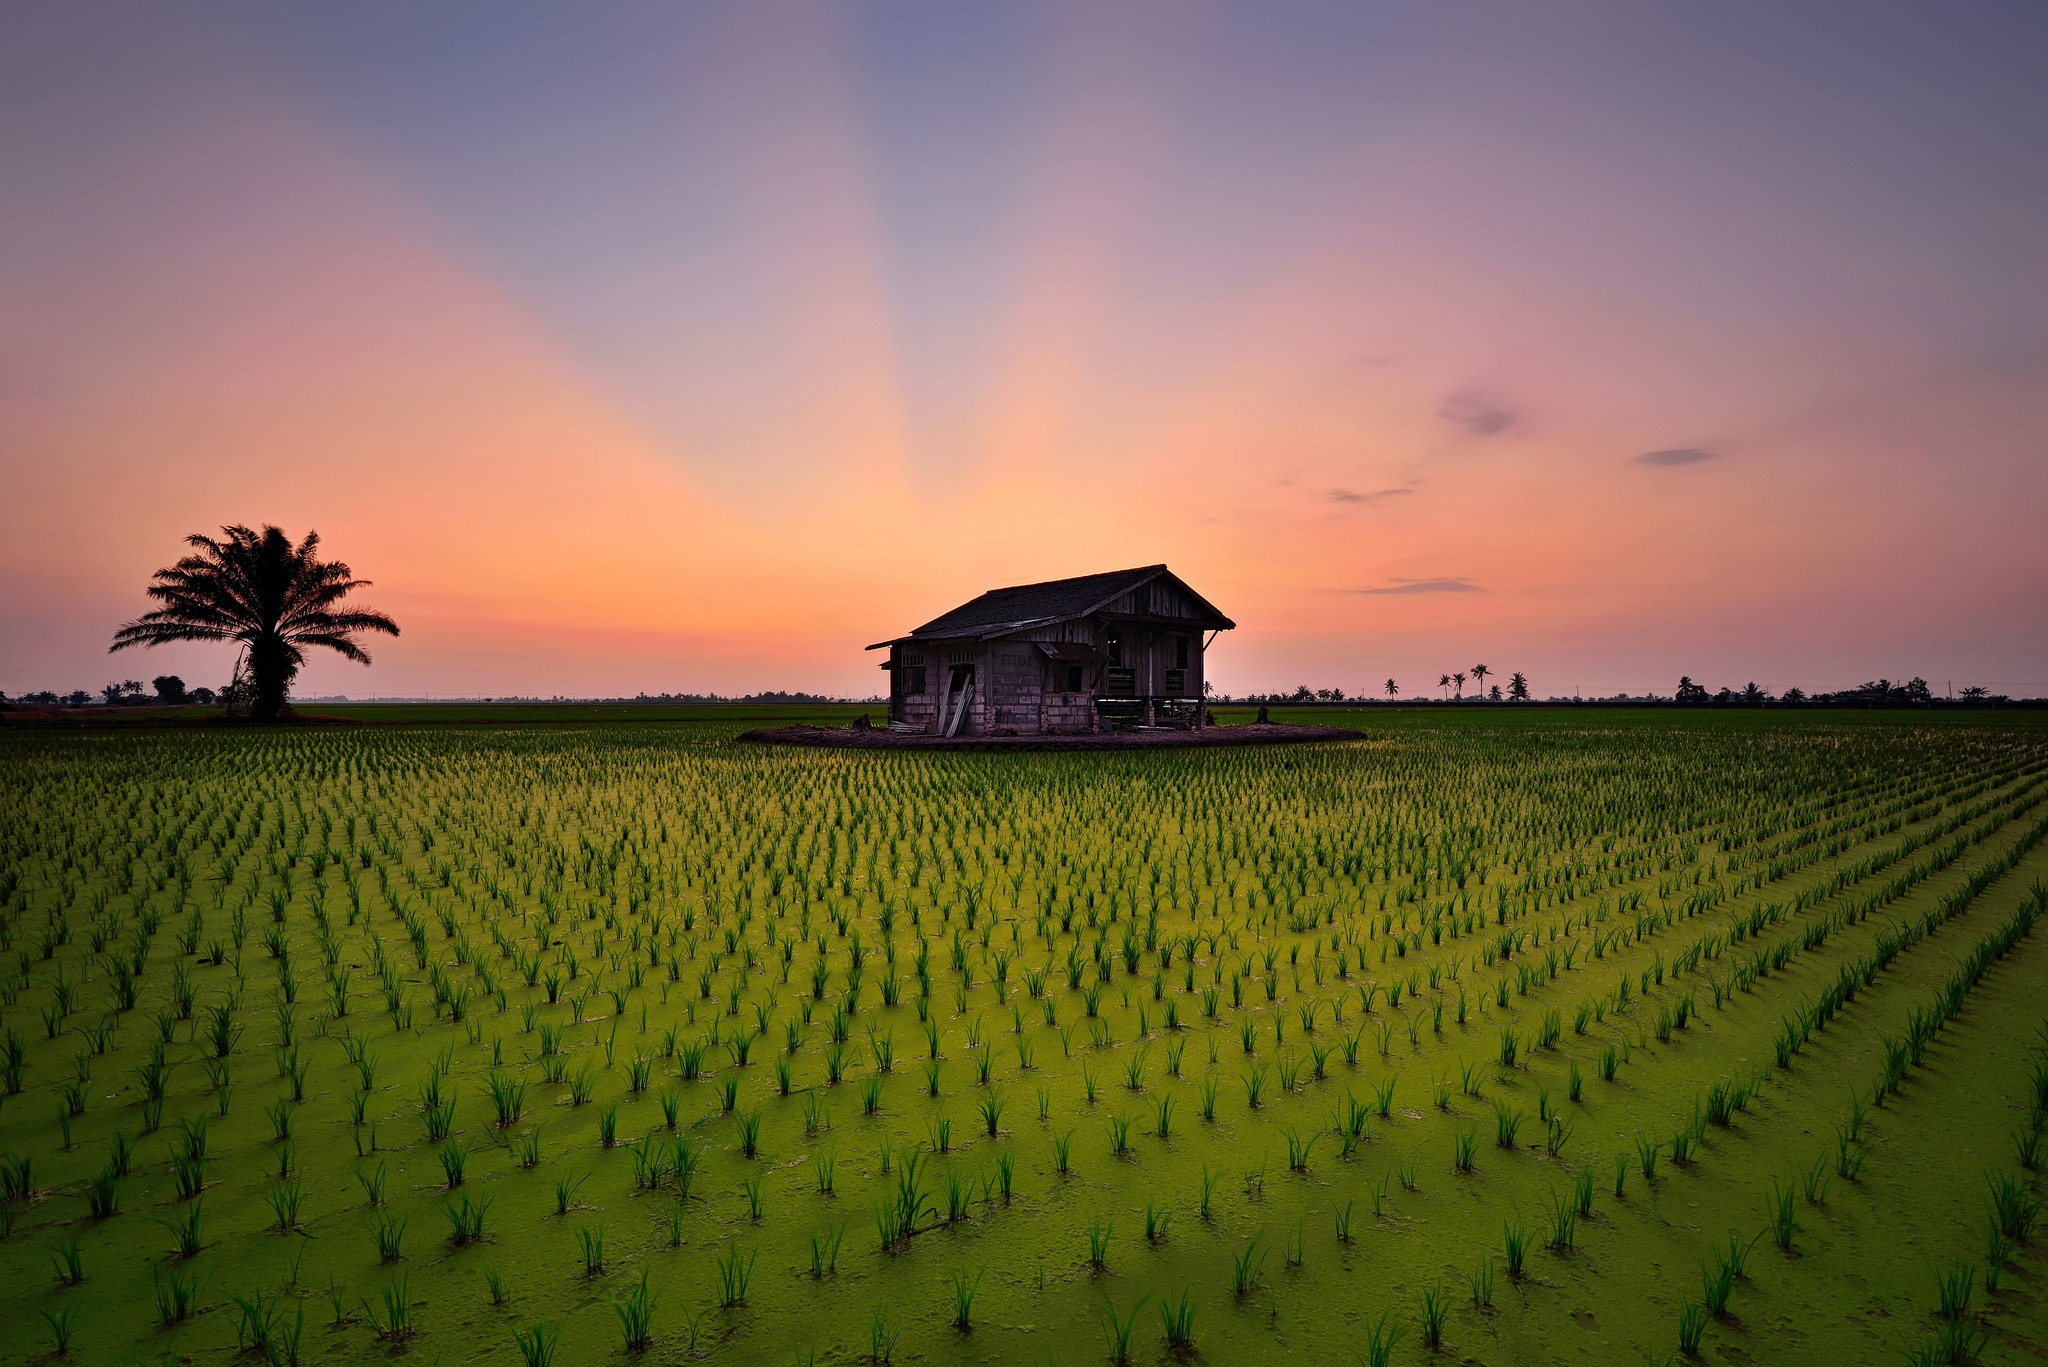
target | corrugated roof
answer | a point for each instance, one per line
(1054, 600)
(1037, 602)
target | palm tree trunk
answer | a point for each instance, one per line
(270, 674)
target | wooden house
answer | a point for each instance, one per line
(1071, 655)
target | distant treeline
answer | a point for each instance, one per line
(169, 690)
(1876, 693)
(772, 696)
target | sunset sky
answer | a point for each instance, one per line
(693, 347)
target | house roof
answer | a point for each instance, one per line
(1000, 611)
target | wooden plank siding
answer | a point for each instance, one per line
(1152, 636)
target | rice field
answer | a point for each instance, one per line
(1501, 1036)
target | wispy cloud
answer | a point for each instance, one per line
(1480, 413)
(1444, 584)
(1677, 455)
(1351, 496)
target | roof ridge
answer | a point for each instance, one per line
(1015, 606)
(1069, 579)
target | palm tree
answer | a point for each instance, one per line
(257, 588)
(1461, 683)
(1444, 683)
(1480, 672)
(1393, 689)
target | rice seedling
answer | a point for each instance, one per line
(1582, 1193)
(103, 1194)
(1692, 1327)
(1564, 1223)
(825, 1250)
(62, 1321)
(177, 1294)
(394, 1324)
(590, 1240)
(1481, 1280)
(2014, 1206)
(1116, 1331)
(1849, 1155)
(536, 1344)
(1245, 1267)
(748, 1125)
(387, 1232)
(508, 1100)
(1998, 1250)
(964, 1289)
(186, 1231)
(454, 1158)
(1516, 1239)
(285, 1200)
(1954, 1287)
(1717, 1286)
(69, 1262)
(1463, 1145)
(1436, 1313)
(1177, 1319)
(1098, 1244)
(1342, 1216)
(636, 1317)
(1507, 1124)
(959, 1196)
(1120, 1136)
(495, 1287)
(466, 1219)
(1781, 1213)
(734, 1273)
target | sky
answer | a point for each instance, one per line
(655, 348)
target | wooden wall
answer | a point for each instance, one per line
(1017, 689)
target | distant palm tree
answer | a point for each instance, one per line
(1444, 683)
(1480, 672)
(1393, 689)
(257, 588)
(1460, 678)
